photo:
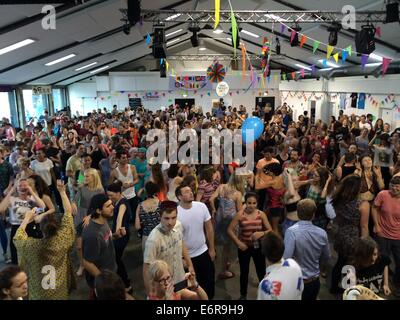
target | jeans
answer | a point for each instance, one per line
(244, 263)
(311, 290)
(205, 273)
(120, 246)
(13, 249)
(3, 236)
(387, 247)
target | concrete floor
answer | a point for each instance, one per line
(225, 289)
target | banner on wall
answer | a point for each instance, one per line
(361, 101)
(41, 90)
(189, 83)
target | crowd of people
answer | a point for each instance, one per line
(75, 191)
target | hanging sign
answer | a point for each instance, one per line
(222, 89)
(41, 90)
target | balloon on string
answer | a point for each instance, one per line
(252, 129)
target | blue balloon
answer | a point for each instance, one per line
(256, 125)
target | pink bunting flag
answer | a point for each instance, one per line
(385, 65)
(302, 73)
(378, 31)
(293, 35)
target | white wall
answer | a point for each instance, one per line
(87, 96)
(330, 90)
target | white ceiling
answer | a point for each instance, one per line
(77, 30)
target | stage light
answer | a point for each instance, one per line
(392, 12)
(278, 46)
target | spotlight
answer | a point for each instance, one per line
(159, 46)
(133, 11)
(392, 12)
(278, 47)
(194, 39)
(333, 35)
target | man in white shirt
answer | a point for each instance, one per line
(197, 227)
(364, 124)
(283, 279)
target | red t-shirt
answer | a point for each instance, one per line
(388, 215)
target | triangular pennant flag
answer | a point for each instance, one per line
(324, 63)
(161, 61)
(292, 35)
(385, 65)
(303, 40)
(166, 65)
(336, 57)
(364, 60)
(378, 31)
(148, 39)
(283, 27)
(329, 50)
(234, 31)
(269, 79)
(302, 72)
(349, 50)
(217, 8)
(345, 54)
(284, 76)
(313, 69)
(315, 46)
(294, 75)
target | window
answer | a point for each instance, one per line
(35, 105)
(58, 100)
(8, 107)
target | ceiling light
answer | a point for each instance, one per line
(328, 63)
(60, 59)
(376, 57)
(202, 48)
(250, 33)
(173, 41)
(218, 31)
(172, 33)
(87, 66)
(99, 69)
(185, 95)
(229, 39)
(302, 67)
(17, 45)
(173, 17)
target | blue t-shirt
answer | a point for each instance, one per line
(141, 167)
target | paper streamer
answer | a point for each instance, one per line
(234, 31)
(243, 62)
(217, 9)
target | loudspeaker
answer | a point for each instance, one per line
(163, 69)
(365, 39)
(392, 12)
(159, 45)
(333, 38)
(133, 11)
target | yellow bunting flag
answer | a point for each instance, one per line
(329, 51)
(217, 8)
(336, 57)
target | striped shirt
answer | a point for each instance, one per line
(248, 227)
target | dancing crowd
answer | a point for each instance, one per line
(76, 191)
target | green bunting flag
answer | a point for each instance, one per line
(315, 46)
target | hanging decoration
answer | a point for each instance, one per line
(243, 61)
(148, 39)
(234, 30)
(303, 40)
(364, 60)
(385, 65)
(217, 9)
(216, 72)
(315, 46)
(336, 57)
(329, 51)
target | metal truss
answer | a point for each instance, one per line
(257, 16)
(209, 57)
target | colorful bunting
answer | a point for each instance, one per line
(315, 46)
(329, 50)
(313, 69)
(364, 60)
(293, 35)
(217, 9)
(283, 27)
(148, 39)
(349, 50)
(303, 40)
(302, 72)
(385, 65)
(345, 54)
(324, 63)
(378, 31)
(294, 75)
(336, 57)
(269, 79)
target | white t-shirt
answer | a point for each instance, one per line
(193, 227)
(365, 125)
(18, 208)
(283, 281)
(43, 169)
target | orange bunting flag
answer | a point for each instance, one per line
(293, 75)
(303, 40)
(243, 61)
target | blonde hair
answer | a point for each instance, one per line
(236, 182)
(156, 270)
(23, 161)
(96, 182)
